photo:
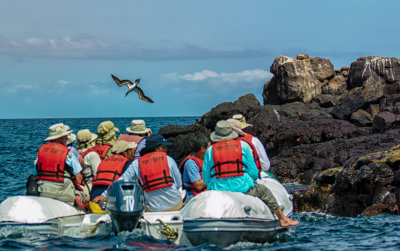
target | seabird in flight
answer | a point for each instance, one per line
(132, 87)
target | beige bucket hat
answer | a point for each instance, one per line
(242, 120)
(57, 131)
(85, 136)
(121, 146)
(138, 126)
(223, 131)
(236, 126)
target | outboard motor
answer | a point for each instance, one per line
(125, 205)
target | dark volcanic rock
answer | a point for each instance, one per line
(374, 70)
(332, 130)
(247, 105)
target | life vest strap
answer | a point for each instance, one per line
(218, 165)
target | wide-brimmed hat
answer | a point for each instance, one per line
(138, 126)
(106, 127)
(242, 120)
(236, 126)
(121, 146)
(71, 138)
(85, 136)
(223, 131)
(57, 131)
(155, 140)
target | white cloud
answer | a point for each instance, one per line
(250, 76)
(63, 82)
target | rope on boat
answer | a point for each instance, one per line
(170, 233)
(94, 228)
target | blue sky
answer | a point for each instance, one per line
(56, 57)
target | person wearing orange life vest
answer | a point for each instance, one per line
(111, 168)
(106, 139)
(57, 170)
(191, 167)
(137, 133)
(91, 160)
(229, 166)
(255, 143)
(158, 175)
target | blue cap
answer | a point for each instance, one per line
(155, 140)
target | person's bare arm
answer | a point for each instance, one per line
(199, 185)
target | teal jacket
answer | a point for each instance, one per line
(234, 184)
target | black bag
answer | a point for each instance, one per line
(32, 186)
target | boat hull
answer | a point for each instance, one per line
(224, 232)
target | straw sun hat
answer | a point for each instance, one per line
(242, 120)
(85, 136)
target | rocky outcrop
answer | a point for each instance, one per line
(297, 79)
(335, 131)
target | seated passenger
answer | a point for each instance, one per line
(106, 139)
(91, 160)
(229, 166)
(138, 133)
(111, 168)
(192, 165)
(58, 170)
(155, 165)
(257, 148)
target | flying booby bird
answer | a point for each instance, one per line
(132, 87)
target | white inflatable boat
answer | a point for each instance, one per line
(216, 217)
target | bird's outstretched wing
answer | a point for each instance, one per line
(142, 96)
(120, 82)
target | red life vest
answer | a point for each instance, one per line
(101, 150)
(227, 155)
(131, 138)
(154, 171)
(199, 163)
(51, 162)
(109, 170)
(248, 139)
(83, 154)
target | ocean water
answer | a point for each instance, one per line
(21, 138)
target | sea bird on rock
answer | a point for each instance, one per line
(132, 87)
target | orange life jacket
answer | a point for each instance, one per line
(227, 155)
(101, 150)
(154, 171)
(199, 163)
(248, 139)
(131, 138)
(51, 162)
(109, 170)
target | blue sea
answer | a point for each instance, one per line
(21, 138)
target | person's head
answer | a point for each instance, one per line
(58, 133)
(124, 148)
(106, 133)
(223, 131)
(85, 139)
(200, 144)
(157, 143)
(138, 126)
(242, 120)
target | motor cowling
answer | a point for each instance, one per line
(125, 205)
